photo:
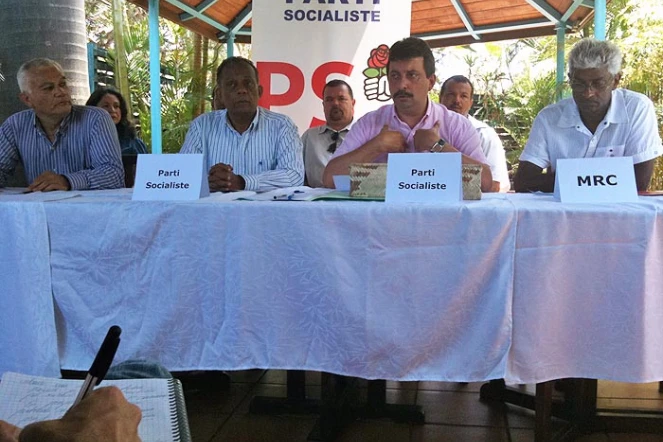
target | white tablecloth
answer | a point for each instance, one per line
(588, 291)
(356, 288)
(27, 322)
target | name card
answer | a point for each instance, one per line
(170, 177)
(424, 178)
(595, 180)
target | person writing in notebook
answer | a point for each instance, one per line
(413, 123)
(103, 416)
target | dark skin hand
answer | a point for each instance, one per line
(643, 173)
(48, 181)
(223, 179)
(530, 177)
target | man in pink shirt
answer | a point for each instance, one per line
(413, 123)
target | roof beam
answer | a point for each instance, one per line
(241, 19)
(569, 12)
(202, 17)
(223, 36)
(539, 23)
(546, 10)
(465, 18)
(200, 8)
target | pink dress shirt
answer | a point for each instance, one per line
(454, 128)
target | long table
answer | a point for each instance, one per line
(512, 286)
(28, 338)
(588, 291)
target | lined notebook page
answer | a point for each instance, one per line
(25, 399)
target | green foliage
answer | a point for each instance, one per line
(630, 24)
(177, 99)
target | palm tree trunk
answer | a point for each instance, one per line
(42, 28)
(196, 85)
(203, 75)
(121, 78)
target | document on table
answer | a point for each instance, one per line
(298, 193)
(226, 196)
(25, 399)
(19, 194)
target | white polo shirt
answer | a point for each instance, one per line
(494, 150)
(629, 129)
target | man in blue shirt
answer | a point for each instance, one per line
(245, 146)
(62, 147)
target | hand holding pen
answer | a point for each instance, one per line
(101, 364)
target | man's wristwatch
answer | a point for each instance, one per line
(438, 146)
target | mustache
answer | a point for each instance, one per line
(402, 93)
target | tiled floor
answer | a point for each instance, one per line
(453, 413)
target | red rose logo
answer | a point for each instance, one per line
(379, 57)
(376, 86)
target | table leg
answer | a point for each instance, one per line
(295, 401)
(543, 412)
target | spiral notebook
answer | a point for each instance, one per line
(25, 399)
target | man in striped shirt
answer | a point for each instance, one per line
(63, 147)
(245, 146)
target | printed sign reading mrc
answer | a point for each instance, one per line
(299, 45)
(329, 15)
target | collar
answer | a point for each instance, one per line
(616, 112)
(478, 124)
(63, 124)
(252, 126)
(324, 128)
(429, 112)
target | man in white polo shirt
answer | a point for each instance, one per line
(599, 121)
(457, 94)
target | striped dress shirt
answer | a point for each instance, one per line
(86, 149)
(267, 155)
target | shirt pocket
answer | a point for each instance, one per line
(615, 150)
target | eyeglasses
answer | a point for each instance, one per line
(595, 85)
(332, 146)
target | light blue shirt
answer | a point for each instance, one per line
(267, 155)
(86, 149)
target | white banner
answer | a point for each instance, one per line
(299, 45)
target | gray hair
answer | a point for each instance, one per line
(594, 54)
(26, 67)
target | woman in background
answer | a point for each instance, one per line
(116, 106)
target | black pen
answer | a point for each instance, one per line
(101, 364)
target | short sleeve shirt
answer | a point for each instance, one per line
(629, 129)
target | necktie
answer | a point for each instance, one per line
(332, 146)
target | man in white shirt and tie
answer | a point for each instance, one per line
(321, 142)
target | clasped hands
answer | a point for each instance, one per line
(392, 141)
(48, 181)
(223, 179)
